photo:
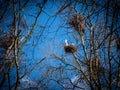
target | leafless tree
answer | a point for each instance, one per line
(98, 64)
(13, 40)
(92, 63)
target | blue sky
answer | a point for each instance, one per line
(48, 39)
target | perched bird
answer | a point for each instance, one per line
(66, 42)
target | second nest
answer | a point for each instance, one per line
(77, 21)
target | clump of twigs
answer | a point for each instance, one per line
(6, 41)
(96, 67)
(77, 21)
(70, 48)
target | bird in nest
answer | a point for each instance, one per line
(70, 48)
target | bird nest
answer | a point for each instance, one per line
(97, 67)
(6, 41)
(70, 48)
(77, 21)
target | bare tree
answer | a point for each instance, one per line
(92, 63)
(13, 40)
(98, 64)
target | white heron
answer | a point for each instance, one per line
(66, 42)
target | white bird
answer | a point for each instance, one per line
(66, 42)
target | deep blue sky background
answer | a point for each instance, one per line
(50, 33)
(48, 37)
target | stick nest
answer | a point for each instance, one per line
(77, 21)
(6, 41)
(97, 67)
(70, 48)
